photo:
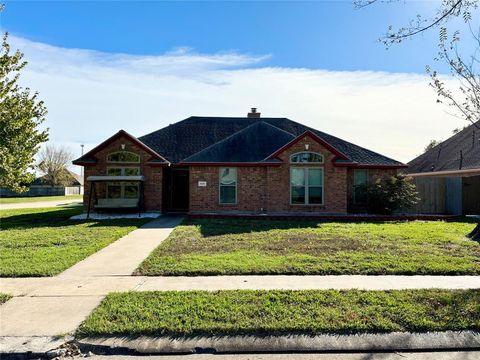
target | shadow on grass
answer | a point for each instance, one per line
(58, 217)
(224, 226)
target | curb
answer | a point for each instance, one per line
(397, 341)
(29, 347)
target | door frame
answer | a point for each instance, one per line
(168, 194)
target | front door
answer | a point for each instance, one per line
(177, 184)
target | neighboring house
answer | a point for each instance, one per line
(234, 165)
(39, 187)
(448, 175)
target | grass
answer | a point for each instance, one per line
(4, 297)
(44, 242)
(260, 312)
(38, 199)
(232, 246)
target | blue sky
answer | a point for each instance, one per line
(330, 35)
(139, 66)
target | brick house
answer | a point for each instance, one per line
(232, 165)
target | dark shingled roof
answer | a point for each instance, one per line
(262, 139)
(460, 152)
(181, 140)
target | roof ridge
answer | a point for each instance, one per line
(276, 127)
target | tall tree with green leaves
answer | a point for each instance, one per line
(21, 113)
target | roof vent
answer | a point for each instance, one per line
(253, 113)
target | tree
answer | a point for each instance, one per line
(392, 193)
(465, 101)
(446, 11)
(53, 163)
(21, 113)
(431, 145)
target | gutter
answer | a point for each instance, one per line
(466, 172)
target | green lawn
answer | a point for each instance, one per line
(248, 312)
(4, 297)
(233, 246)
(44, 242)
(38, 199)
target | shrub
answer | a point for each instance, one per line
(392, 193)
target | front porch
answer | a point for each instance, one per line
(122, 193)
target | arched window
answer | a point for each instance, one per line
(306, 157)
(123, 157)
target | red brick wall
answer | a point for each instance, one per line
(268, 188)
(373, 175)
(153, 175)
(251, 188)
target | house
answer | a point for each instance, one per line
(448, 175)
(232, 165)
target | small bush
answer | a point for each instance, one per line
(392, 193)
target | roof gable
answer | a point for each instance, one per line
(459, 152)
(89, 157)
(315, 138)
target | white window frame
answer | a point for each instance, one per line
(307, 185)
(308, 152)
(123, 162)
(220, 185)
(123, 169)
(122, 184)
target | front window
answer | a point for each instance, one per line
(123, 157)
(123, 189)
(123, 171)
(360, 182)
(306, 157)
(228, 185)
(306, 186)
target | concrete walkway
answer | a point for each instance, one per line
(41, 204)
(32, 313)
(123, 256)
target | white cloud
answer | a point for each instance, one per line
(91, 95)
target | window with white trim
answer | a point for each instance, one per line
(123, 171)
(360, 182)
(306, 157)
(306, 186)
(123, 157)
(123, 189)
(228, 185)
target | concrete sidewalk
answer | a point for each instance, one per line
(31, 313)
(41, 204)
(64, 286)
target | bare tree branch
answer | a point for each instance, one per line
(53, 163)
